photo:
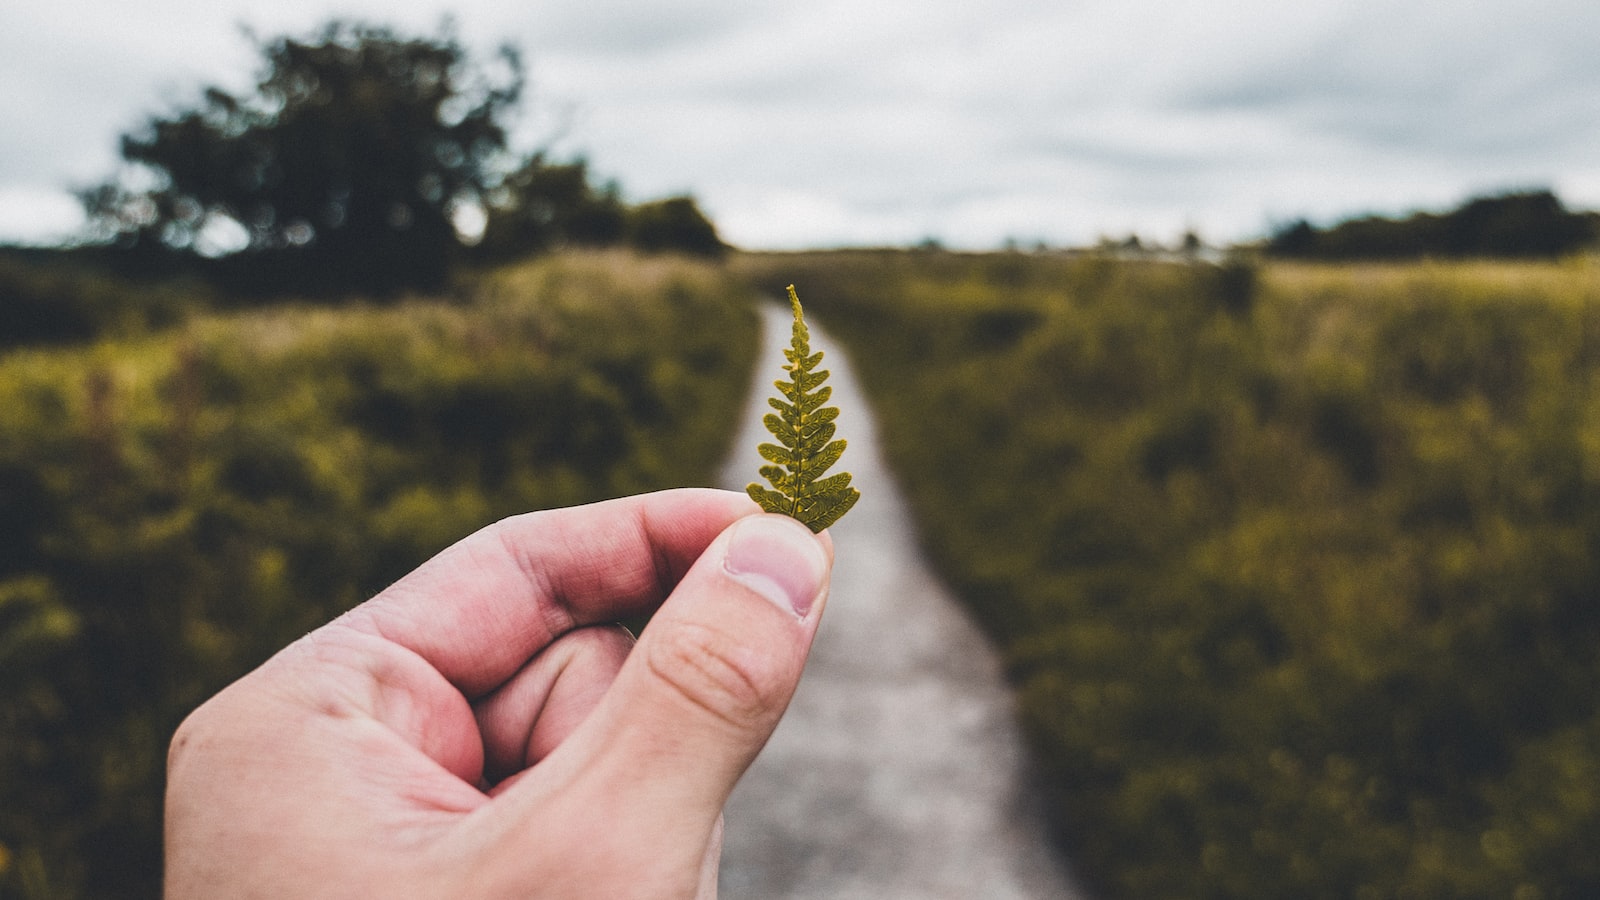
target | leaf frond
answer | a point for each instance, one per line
(815, 464)
(832, 509)
(804, 429)
(833, 484)
(783, 456)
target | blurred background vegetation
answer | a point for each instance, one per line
(318, 332)
(176, 506)
(1296, 568)
(1294, 556)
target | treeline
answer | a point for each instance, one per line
(1295, 569)
(1510, 226)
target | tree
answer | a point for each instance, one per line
(348, 163)
(545, 205)
(1533, 224)
(673, 225)
(1529, 225)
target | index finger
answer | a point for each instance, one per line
(479, 610)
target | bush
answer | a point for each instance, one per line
(65, 297)
(674, 225)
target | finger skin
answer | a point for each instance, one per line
(475, 614)
(692, 706)
(483, 607)
(546, 701)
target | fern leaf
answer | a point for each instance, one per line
(814, 463)
(818, 435)
(804, 429)
(813, 403)
(783, 456)
(822, 513)
(771, 501)
(826, 487)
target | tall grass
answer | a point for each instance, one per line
(1296, 569)
(176, 507)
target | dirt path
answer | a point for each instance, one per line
(898, 771)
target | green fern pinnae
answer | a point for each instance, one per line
(806, 448)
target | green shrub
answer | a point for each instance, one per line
(64, 297)
(673, 225)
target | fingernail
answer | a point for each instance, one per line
(779, 559)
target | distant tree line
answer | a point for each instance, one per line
(1532, 224)
(362, 161)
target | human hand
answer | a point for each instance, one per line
(476, 730)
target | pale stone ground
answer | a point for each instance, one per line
(898, 771)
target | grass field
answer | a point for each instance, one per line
(1296, 568)
(176, 504)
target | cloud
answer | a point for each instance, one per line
(839, 121)
(40, 215)
(1418, 78)
(631, 30)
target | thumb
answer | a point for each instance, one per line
(716, 668)
(693, 704)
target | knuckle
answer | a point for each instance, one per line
(716, 672)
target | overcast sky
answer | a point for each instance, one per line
(832, 122)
